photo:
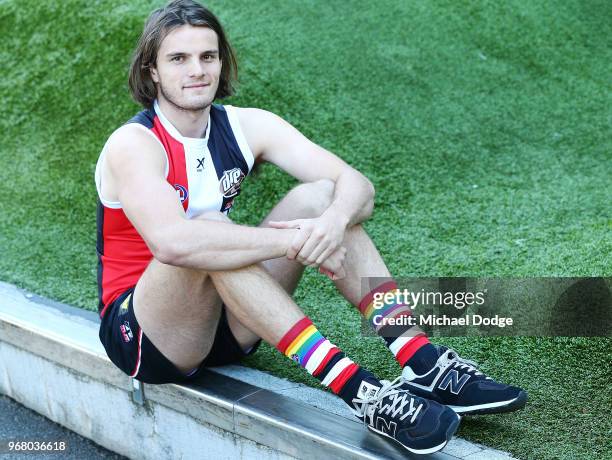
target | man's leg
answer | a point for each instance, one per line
(178, 309)
(303, 343)
(256, 301)
(363, 260)
(437, 374)
(260, 304)
(168, 299)
(302, 202)
(185, 300)
(263, 307)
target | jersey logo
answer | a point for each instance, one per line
(200, 166)
(230, 182)
(182, 192)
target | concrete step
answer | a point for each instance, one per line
(52, 362)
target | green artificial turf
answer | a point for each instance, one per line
(485, 127)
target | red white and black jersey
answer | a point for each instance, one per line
(206, 174)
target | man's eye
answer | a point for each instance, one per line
(177, 59)
(208, 57)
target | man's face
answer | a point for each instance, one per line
(188, 68)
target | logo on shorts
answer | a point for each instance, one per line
(182, 192)
(124, 305)
(230, 182)
(126, 332)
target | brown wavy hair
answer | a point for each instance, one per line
(159, 24)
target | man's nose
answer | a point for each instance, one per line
(196, 68)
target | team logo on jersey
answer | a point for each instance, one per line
(200, 166)
(126, 332)
(182, 192)
(230, 182)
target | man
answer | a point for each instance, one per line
(182, 287)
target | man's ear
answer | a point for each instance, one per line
(154, 75)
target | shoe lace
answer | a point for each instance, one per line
(395, 406)
(462, 363)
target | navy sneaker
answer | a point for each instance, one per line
(419, 425)
(458, 383)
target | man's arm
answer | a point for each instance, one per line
(136, 162)
(273, 139)
(353, 198)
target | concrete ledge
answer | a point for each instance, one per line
(52, 362)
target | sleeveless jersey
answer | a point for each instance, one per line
(206, 174)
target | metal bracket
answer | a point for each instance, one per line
(138, 395)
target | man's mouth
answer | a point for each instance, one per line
(197, 85)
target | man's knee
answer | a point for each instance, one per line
(214, 215)
(311, 199)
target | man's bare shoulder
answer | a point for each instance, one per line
(258, 126)
(134, 143)
(249, 116)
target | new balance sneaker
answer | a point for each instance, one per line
(458, 383)
(419, 425)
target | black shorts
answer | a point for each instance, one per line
(132, 352)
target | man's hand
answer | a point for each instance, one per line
(333, 266)
(316, 240)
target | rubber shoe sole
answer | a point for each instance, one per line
(493, 408)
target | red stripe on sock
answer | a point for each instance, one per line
(367, 300)
(408, 350)
(290, 336)
(330, 354)
(339, 382)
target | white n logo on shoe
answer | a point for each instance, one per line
(452, 379)
(386, 427)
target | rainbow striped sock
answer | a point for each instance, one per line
(305, 345)
(409, 344)
(390, 307)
